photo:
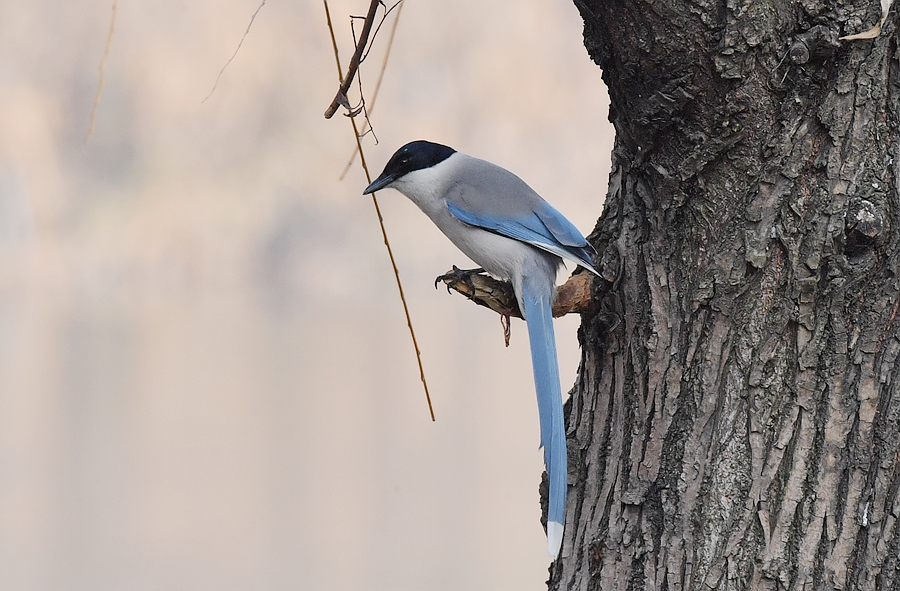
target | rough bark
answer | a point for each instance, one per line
(736, 420)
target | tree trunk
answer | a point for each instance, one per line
(736, 420)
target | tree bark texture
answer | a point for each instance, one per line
(736, 421)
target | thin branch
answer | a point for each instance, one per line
(387, 244)
(109, 38)
(378, 28)
(384, 63)
(341, 97)
(362, 108)
(236, 50)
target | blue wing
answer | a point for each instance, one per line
(496, 200)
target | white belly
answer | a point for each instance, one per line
(500, 256)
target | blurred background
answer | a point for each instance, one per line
(206, 380)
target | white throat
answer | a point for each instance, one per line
(426, 187)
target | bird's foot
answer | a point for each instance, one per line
(483, 290)
(456, 276)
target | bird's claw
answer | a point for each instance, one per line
(457, 275)
(482, 289)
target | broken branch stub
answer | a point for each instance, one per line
(574, 296)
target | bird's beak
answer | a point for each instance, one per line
(381, 182)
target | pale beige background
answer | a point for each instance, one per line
(205, 376)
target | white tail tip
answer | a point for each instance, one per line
(554, 538)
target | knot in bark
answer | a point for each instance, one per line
(864, 224)
(799, 52)
(817, 43)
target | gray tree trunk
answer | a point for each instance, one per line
(736, 421)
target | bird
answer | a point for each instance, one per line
(503, 225)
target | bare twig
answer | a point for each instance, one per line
(387, 244)
(378, 28)
(362, 108)
(384, 63)
(109, 37)
(341, 97)
(236, 50)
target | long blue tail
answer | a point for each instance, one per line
(536, 298)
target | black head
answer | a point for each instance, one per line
(413, 156)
